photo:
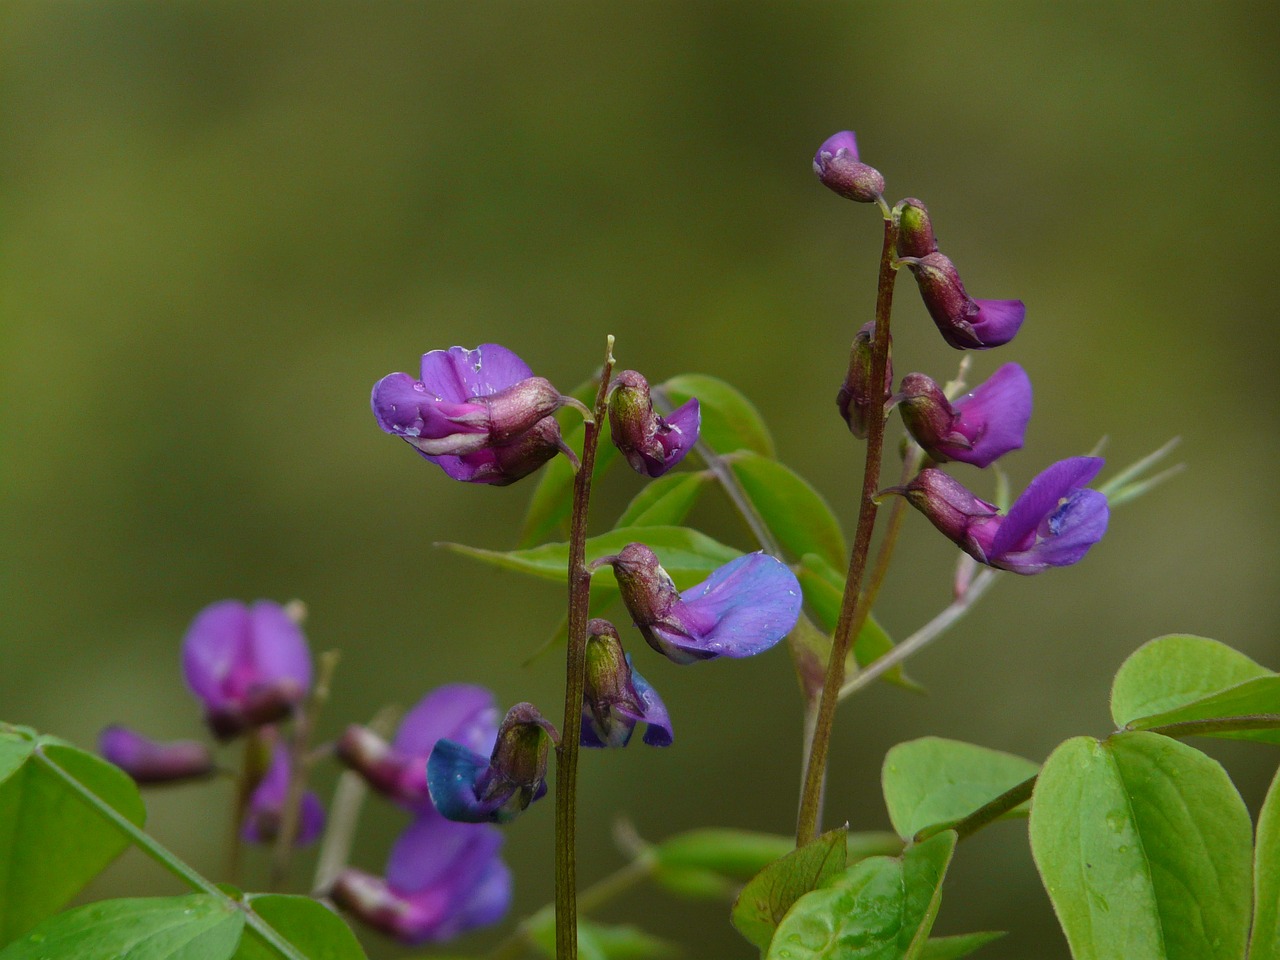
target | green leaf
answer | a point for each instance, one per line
(628, 943)
(196, 927)
(932, 781)
(51, 841)
(1264, 941)
(1144, 846)
(729, 420)
(738, 854)
(665, 501)
(768, 896)
(317, 932)
(685, 554)
(881, 908)
(790, 507)
(1179, 678)
(961, 945)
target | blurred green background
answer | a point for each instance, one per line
(221, 223)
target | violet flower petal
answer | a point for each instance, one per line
(1068, 533)
(266, 806)
(654, 713)
(154, 761)
(993, 417)
(678, 433)
(489, 899)
(460, 712)
(743, 608)
(997, 321)
(1040, 499)
(433, 851)
(458, 374)
(452, 774)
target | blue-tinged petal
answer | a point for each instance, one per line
(452, 774)
(751, 603)
(1067, 533)
(1039, 500)
(653, 712)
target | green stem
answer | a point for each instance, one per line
(575, 666)
(985, 814)
(167, 859)
(852, 613)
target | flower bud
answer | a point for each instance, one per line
(150, 761)
(855, 399)
(979, 428)
(652, 444)
(616, 697)
(915, 229)
(647, 590)
(837, 166)
(965, 323)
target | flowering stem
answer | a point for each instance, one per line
(575, 666)
(852, 613)
(250, 773)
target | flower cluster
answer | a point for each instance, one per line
(1056, 520)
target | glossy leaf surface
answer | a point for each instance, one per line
(767, 898)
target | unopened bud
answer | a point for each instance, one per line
(391, 773)
(856, 400)
(915, 229)
(837, 165)
(651, 443)
(151, 761)
(965, 323)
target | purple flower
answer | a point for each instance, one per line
(978, 428)
(151, 761)
(443, 879)
(652, 444)
(965, 323)
(1053, 523)
(467, 787)
(743, 608)
(249, 665)
(837, 166)
(615, 697)
(265, 814)
(459, 712)
(856, 401)
(480, 415)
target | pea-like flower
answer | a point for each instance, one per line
(462, 713)
(467, 787)
(979, 427)
(965, 323)
(651, 443)
(837, 165)
(480, 415)
(151, 761)
(265, 814)
(249, 665)
(743, 608)
(442, 879)
(615, 697)
(1052, 524)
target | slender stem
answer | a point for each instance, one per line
(1202, 728)
(987, 813)
(246, 780)
(575, 665)
(852, 613)
(166, 858)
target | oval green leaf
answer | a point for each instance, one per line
(51, 841)
(666, 501)
(933, 781)
(729, 420)
(317, 932)
(1144, 846)
(768, 896)
(196, 927)
(796, 513)
(1264, 941)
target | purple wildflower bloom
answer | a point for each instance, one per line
(249, 665)
(480, 415)
(1052, 524)
(837, 165)
(651, 443)
(615, 697)
(467, 787)
(443, 879)
(965, 323)
(263, 819)
(978, 428)
(152, 761)
(743, 608)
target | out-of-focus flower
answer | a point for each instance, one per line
(1052, 524)
(652, 444)
(856, 401)
(615, 696)
(467, 787)
(249, 665)
(979, 427)
(743, 608)
(443, 879)
(480, 415)
(837, 165)
(459, 712)
(152, 761)
(965, 323)
(265, 813)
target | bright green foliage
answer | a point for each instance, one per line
(932, 781)
(1144, 846)
(316, 931)
(665, 501)
(51, 841)
(729, 420)
(1178, 678)
(795, 512)
(196, 927)
(737, 854)
(1264, 942)
(953, 948)
(772, 892)
(881, 908)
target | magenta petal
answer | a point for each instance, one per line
(844, 140)
(153, 761)
(997, 321)
(994, 416)
(434, 851)
(678, 433)
(460, 712)
(752, 602)
(488, 901)
(279, 648)
(215, 644)
(1040, 500)
(400, 405)
(458, 374)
